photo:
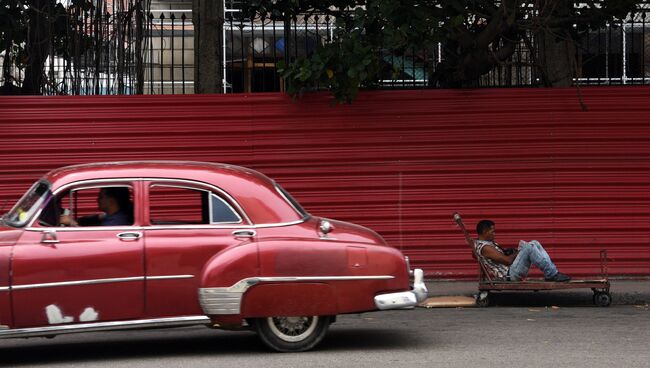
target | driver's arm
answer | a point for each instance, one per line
(67, 220)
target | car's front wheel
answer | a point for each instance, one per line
(292, 334)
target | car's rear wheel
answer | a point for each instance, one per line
(291, 334)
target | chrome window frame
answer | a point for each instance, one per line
(130, 186)
(38, 204)
(212, 222)
(214, 188)
(238, 208)
(30, 226)
(281, 191)
(246, 225)
(211, 195)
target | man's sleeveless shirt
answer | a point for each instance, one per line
(498, 270)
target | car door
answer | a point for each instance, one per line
(187, 223)
(79, 274)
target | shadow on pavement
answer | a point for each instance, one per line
(370, 339)
(116, 347)
(542, 299)
(135, 345)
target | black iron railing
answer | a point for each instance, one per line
(119, 48)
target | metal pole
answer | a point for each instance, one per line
(224, 46)
(150, 53)
(139, 34)
(173, 18)
(183, 19)
(624, 76)
(162, 31)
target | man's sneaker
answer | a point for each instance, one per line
(559, 277)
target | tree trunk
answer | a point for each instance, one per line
(472, 53)
(120, 40)
(38, 46)
(207, 17)
(557, 49)
(557, 58)
(8, 61)
(139, 32)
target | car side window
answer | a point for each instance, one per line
(221, 211)
(108, 205)
(180, 205)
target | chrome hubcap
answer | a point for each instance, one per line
(292, 329)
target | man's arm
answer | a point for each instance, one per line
(92, 220)
(490, 252)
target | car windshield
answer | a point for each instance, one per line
(28, 204)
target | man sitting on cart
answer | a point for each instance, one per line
(513, 264)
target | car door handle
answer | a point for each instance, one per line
(129, 236)
(243, 233)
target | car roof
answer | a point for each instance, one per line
(255, 192)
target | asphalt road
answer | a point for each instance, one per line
(582, 336)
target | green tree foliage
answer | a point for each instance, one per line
(477, 36)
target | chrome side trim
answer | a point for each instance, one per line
(76, 283)
(86, 228)
(206, 227)
(282, 224)
(94, 282)
(196, 227)
(170, 277)
(169, 227)
(104, 326)
(227, 300)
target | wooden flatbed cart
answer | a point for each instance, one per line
(487, 284)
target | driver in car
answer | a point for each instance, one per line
(116, 207)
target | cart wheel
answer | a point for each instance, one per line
(483, 299)
(602, 298)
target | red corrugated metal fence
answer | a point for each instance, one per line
(399, 162)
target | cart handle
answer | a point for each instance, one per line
(470, 242)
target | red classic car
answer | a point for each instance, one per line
(187, 243)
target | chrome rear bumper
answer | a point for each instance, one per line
(404, 299)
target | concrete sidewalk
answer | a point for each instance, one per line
(624, 292)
